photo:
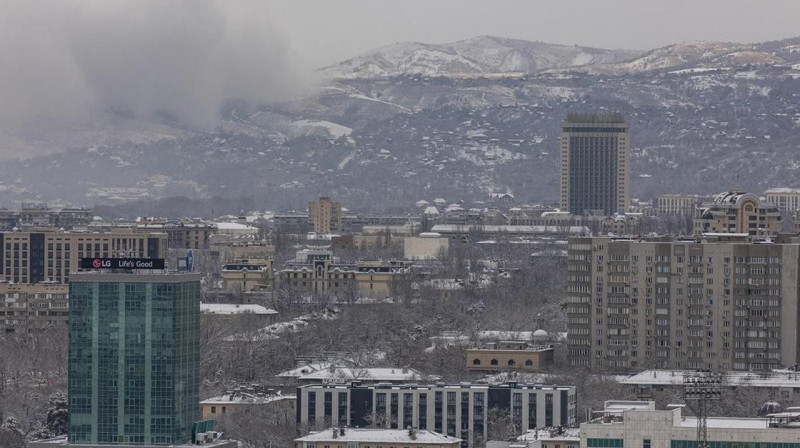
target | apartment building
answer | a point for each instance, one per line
(247, 275)
(682, 304)
(28, 308)
(454, 410)
(786, 199)
(595, 164)
(50, 256)
(376, 438)
(325, 216)
(738, 212)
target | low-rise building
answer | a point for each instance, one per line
(376, 438)
(557, 437)
(365, 375)
(247, 275)
(639, 424)
(510, 355)
(738, 212)
(237, 316)
(250, 401)
(676, 204)
(426, 246)
(457, 410)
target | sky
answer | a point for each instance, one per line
(69, 60)
(326, 31)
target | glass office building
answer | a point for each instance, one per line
(133, 358)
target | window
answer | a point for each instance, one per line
(529, 363)
(646, 443)
(493, 362)
(213, 409)
(476, 362)
(511, 362)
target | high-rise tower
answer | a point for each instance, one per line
(133, 358)
(595, 164)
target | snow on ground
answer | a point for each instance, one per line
(315, 127)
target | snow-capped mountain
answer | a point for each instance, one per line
(483, 55)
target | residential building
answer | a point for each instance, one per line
(133, 358)
(376, 438)
(228, 251)
(639, 424)
(595, 164)
(51, 256)
(682, 304)
(325, 216)
(247, 275)
(455, 410)
(26, 308)
(738, 212)
(291, 223)
(786, 199)
(184, 234)
(676, 204)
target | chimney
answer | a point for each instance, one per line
(335, 433)
(412, 433)
(341, 431)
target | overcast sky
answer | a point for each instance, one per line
(326, 31)
(72, 59)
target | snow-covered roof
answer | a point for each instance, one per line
(230, 308)
(239, 398)
(781, 378)
(235, 226)
(431, 210)
(380, 435)
(727, 422)
(372, 374)
(508, 229)
(506, 335)
(571, 434)
(297, 372)
(782, 191)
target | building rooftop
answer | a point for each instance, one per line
(244, 398)
(229, 308)
(511, 229)
(147, 276)
(778, 378)
(342, 374)
(62, 440)
(561, 433)
(379, 436)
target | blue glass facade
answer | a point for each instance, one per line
(133, 358)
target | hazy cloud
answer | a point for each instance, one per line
(68, 60)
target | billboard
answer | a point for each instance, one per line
(122, 263)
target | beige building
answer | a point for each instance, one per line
(281, 407)
(325, 216)
(595, 164)
(227, 251)
(426, 246)
(376, 438)
(247, 275)
(682, 304)
(28, 308)
(786, 199)
(638, 424)
(319, 273)
(676, 204)
(738, 212)
(50, 256)
(509, 355)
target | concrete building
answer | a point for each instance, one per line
(455, 410)
(786, 199)
(682, 304)
(676, 204)
(595, 164)
(250, 399)
(426, 246)
(325, 216)
(639, 424)
(558, 437)
(183, 234)
(738, 212)
(376, 438)
(133, 358)
(51, 256)
(26, 308)
(781, 383)
(227, 251)
(247, 275)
